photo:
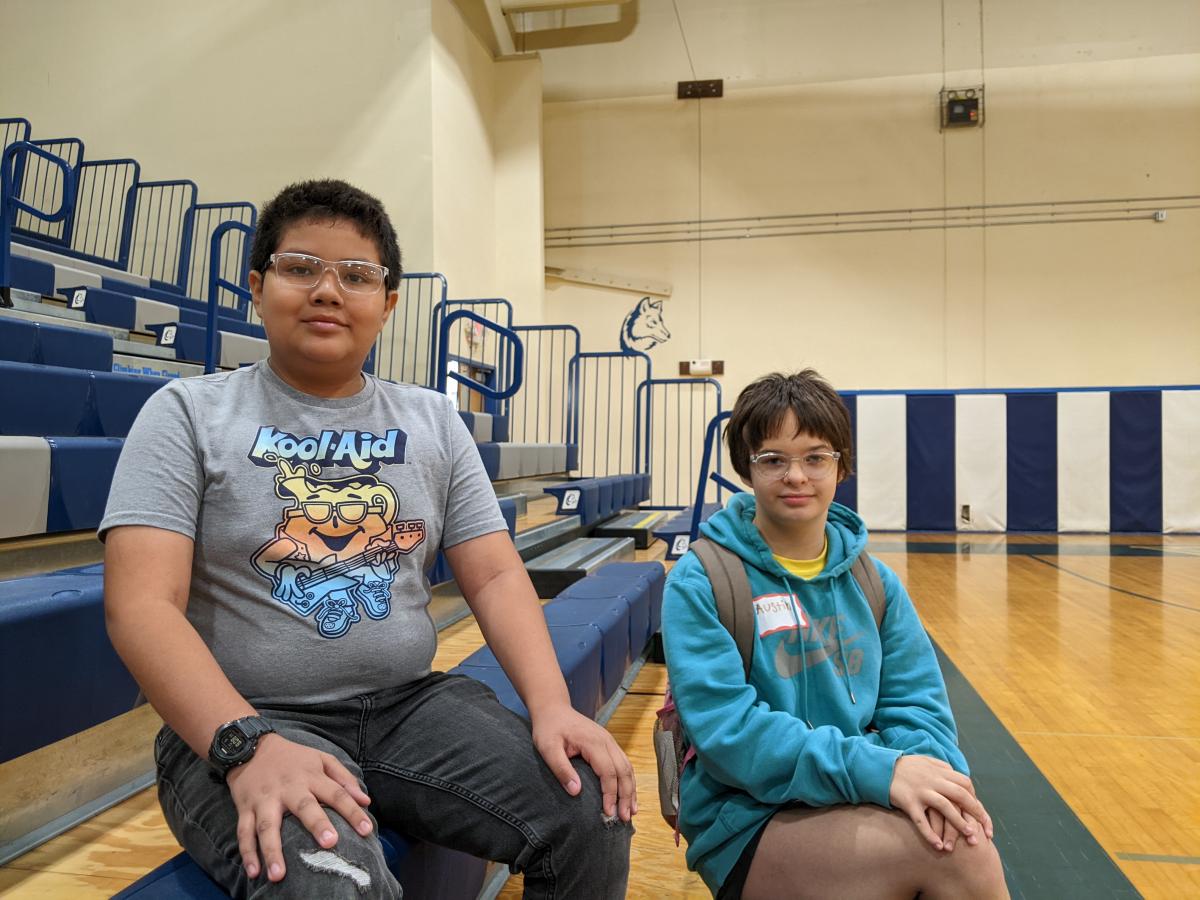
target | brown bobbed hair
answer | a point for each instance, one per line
(763, 405)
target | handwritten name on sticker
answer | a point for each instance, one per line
(778, 612)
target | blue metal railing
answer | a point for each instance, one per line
(42, 184)
(13, 129)
(201, 222)
(157, 228)
(104, 200)
(472, 343)
(538, 414)
(217, 282)
(600, 410)
(712, 447)
(514, 352)
(12, 204)
(671, 414)
(402, 351)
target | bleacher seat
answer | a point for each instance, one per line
(578, 648)
(503, 461)
(118, 398)
(44, 400)
(634, 593)
(60, 674)
(652, 574)
(24, 341)
(611, 619)
(32, 275)
(81, 472)
(676, 531)
(485, 427)
(50, 401)
(594, 499)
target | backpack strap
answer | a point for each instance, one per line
(871, 585)
(731, 590)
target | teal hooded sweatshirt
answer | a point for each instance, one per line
(832, 700)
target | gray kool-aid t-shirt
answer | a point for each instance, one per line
(314, 520)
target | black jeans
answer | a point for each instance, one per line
(442, 761)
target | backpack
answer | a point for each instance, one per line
(735, 609)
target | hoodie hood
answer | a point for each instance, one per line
(733, 527)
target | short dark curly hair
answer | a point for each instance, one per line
(762, 406)
(321, 201)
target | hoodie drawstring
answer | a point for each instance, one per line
(787, 582)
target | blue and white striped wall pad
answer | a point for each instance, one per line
(1090, 460)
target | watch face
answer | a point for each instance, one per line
(232, 742)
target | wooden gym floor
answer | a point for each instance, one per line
(1073, 663)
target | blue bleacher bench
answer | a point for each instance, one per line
(41, 343)
(598, 498)
(45, 401)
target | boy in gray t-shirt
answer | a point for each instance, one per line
(268, 536)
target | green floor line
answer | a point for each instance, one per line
(1047, 851)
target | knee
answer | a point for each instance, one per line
(581, 820)
(354, 867)
(976, 871)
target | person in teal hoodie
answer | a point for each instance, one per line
(834, 770)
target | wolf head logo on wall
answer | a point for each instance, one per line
(643, 328)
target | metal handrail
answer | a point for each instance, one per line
(215, 284)
(516, 357)
(711, 439)
(10, 201)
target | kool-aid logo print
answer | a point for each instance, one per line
(359, 450)
(337, 545)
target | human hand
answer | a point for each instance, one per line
(922, 784)
(285, 777)
(948, 832)
(562, 733)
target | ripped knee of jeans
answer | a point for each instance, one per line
(331, 862)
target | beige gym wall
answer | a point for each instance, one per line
(396, 96)
(1037, 305)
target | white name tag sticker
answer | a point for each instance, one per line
(778, 612)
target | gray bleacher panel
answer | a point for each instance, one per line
(24, 480)
(239, 349)
(67, 277)
(85, 265)
(81, 472)
(152, 312)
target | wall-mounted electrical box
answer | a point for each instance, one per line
(961, 107)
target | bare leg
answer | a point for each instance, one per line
(866, 851)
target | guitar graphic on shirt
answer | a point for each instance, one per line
(307, 588)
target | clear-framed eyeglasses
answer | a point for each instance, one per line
(818, 464)
(303, 271)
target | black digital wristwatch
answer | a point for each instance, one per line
(235, 742)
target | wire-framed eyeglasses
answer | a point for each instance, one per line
(815, 465)
(301, 270)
